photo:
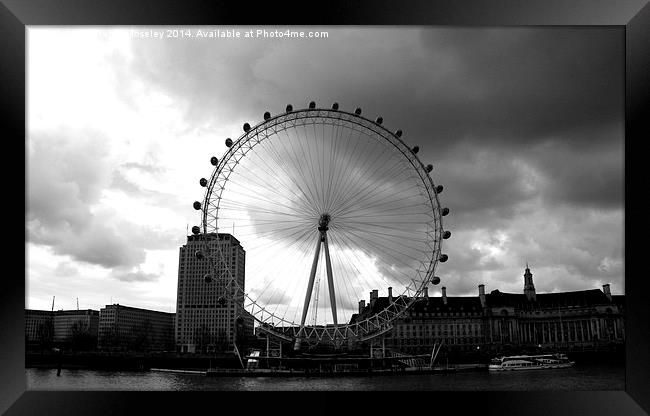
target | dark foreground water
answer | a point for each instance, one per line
(580, 377)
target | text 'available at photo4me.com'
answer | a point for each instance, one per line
(227, 33)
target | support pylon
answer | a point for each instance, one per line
(322, 240)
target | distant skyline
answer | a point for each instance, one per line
(523, 125)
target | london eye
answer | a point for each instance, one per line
(328, 206)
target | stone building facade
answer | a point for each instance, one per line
(591, 319)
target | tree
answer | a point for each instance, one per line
(111, 338)
(222, 340)
(81, 337)
(45, 333)
(141, 336)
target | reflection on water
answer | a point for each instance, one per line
(585, 377)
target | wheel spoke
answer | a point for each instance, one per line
(278, 183)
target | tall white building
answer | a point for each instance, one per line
(208, 318)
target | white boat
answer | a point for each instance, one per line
(530, 362)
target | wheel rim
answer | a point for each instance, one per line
(300, 197)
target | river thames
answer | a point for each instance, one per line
(579, 377)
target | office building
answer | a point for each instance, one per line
(208, 317)
(39, 327)
(63, 328)
(125, 328)
(73, 324)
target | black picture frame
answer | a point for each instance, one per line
(631, 15)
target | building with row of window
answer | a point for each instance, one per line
(115, 327)
(210, 314)
(62, 327)
(72, 324)
(39, 326)
(135, 329)
(207, 318)
(496, 321)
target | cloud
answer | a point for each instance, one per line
(67, 174)
(500, 91)
(523, 125)
(134, 276)
(525, 84)
(66, 269)
(566, 249)
(591, 176)
(485, 183)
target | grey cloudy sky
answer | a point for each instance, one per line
(523, 125)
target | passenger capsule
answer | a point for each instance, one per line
(439, 189)
(289, 108)
(197, 205)
(196, 229)
(446, 234)
(267, 115)
(228, 142)
(203, 182)
(207, 278)
(379, 120)
(198, 254)
(247, 127)
(398, 133)
(335, 106)
(357, 111)
(214, 161)
(312, 105)
(429, 168)
(435, 280)
(445, 211)
(416, 149)
(443, 258)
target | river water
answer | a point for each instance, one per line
(579, 377)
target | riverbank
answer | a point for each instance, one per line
(594, 377)
(223, 372)
(129, 361)
(229, 361)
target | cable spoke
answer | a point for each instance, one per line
(275, 187)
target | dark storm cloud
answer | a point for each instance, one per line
(523, 125)
(527, 84)
(211, 82)
(568, 249)
(591, 176)
(501, 90)
(481, 182)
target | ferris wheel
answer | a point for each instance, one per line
(328, 206)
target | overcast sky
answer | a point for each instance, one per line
(524, 127)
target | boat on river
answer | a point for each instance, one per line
(530, 362)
